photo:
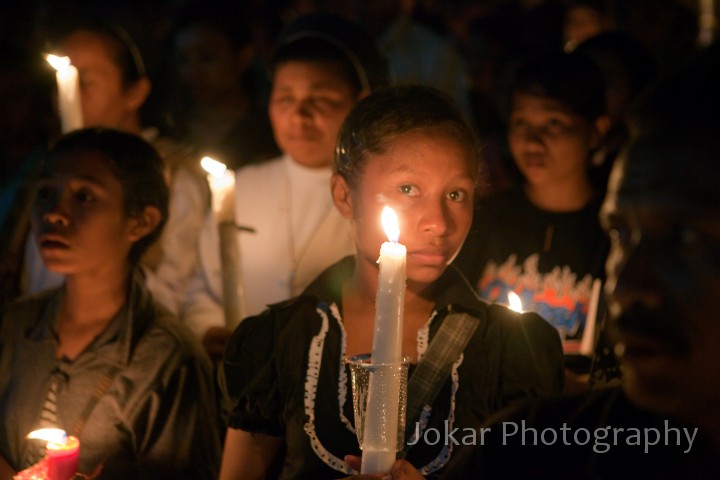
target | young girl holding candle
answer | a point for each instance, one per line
(408, 148)
(99, 357)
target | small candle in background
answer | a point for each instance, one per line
(222, 186)
(587, 343)
(514, 302)
(68, 84)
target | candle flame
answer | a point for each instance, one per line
(514, 302)
(390, 224)
(213, 167)
(219, 175)
(58, 63)
(50, 435)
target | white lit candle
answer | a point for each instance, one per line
(222, 186)
(68, 84)
(381, 417)
(587, 343)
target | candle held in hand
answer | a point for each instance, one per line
(62, 453)
(68, 84)
(381, 420)
(390, 299)
(222, 186)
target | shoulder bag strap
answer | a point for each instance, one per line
(435, 366)
(97, 394)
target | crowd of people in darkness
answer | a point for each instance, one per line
(552, 167)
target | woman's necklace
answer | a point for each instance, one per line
(297, 252)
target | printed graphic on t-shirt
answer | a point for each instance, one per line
(558, 296)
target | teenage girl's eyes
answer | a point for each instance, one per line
(409, 190)
(85, 196)
(555, 125)
(457, 195)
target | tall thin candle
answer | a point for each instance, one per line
(68, 84)
(222, 186)
(381, 418)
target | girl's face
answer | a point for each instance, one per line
(549, 143)
(308, 103)
(105, 101)
(78, 217)
(426, 176)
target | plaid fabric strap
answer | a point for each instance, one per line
(97, 394)
(435, 366)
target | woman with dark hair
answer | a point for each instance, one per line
(98, 357)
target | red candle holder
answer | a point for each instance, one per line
(62, 459)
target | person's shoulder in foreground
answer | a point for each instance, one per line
(661, 213)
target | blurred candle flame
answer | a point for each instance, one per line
(514, 302)
(58, 63)
(50, 435)
(213, 167)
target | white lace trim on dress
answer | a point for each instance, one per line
(311, 384)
